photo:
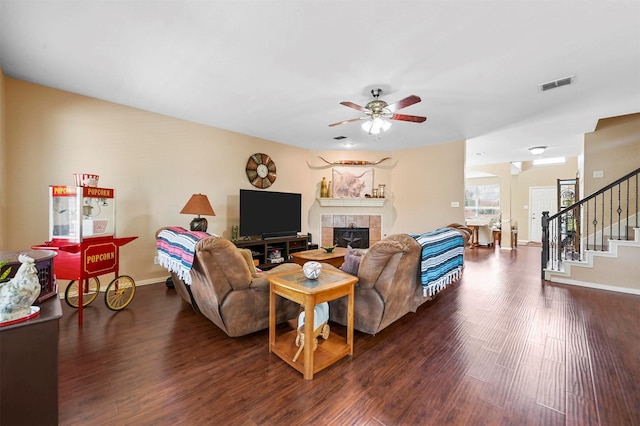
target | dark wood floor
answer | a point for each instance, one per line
(499, 347)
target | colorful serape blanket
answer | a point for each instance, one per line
(442, 259)
(176, 249)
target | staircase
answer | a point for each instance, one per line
(596, 241)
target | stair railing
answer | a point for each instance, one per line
(590, 223)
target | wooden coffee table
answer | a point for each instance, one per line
(335, 258)
(294, 286)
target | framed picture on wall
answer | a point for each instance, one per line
(352, 182)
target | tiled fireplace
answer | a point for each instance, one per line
(354, 237)
(330, 222)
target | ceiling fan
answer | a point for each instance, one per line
(377, 110)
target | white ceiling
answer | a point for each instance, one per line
(278, 69)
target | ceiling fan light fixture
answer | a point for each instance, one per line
(537, 150)
(376, 125)
(370, 127)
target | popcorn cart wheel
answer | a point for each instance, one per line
(90, 289)
(120, 292)
(118, 295)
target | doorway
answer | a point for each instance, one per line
(541, 199)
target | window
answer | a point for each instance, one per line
(482, 201)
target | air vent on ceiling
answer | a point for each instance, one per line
(556, 83)
(339, 138)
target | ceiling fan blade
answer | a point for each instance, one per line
(412, 118)
(352, 105)
(346, 121)
(403, 103)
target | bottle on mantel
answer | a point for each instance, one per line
(324, 189)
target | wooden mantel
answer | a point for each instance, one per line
(351, 202)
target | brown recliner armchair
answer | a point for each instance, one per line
(388, 285)
(225, 290)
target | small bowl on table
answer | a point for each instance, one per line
(328, 249)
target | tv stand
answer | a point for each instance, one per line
(260, 249)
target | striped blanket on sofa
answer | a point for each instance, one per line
(442, 259)
(176, 249)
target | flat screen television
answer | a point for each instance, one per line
(270, 214)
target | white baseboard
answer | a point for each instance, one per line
(596, 286)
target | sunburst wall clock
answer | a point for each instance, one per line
(261, 170)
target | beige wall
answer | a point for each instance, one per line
(614, 149)
(156, 162)
(618, 273)
(425, 182)
(3, 165)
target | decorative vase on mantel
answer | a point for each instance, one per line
(381, 190)
(324, 188)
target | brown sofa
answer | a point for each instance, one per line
(225, 289)
(388, 285)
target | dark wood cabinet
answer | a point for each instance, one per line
(268, 252)
(29, 368)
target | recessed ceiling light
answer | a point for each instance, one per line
(348, 144)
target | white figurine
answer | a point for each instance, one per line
(17, 294)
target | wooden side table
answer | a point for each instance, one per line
(335, 258)
(296, 287)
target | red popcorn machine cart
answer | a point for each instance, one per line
(82, 233)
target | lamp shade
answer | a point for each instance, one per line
(198, 204)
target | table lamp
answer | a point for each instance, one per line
(198, 204)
